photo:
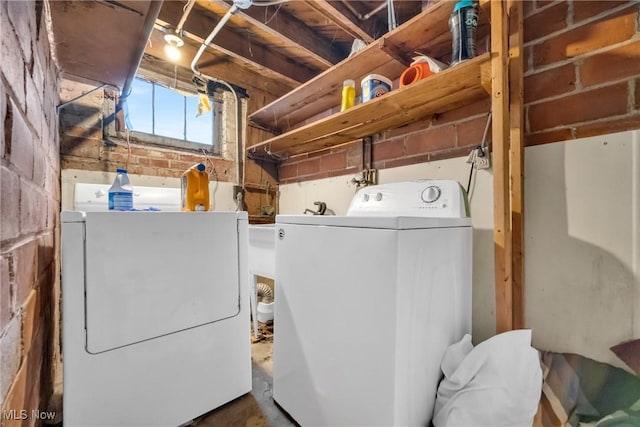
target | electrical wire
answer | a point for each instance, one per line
(126, 132)
(266, 21)
(483, 151)
(213, 172)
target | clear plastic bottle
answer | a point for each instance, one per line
(121, 192)
(348, 95)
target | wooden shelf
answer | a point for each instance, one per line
(427, 33)
(452, 88)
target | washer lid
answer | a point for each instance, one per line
(150, 274)
(382, 222)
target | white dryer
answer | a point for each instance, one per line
(367, 303)
(155, 316)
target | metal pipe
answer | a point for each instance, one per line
(391, 16)
(237, 4)
(374, 11)
(210, 37)
(150, 19)
(366, 16)
(187, 11)
(269, 3)
(194, 68)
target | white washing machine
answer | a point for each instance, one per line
(367, 303)
(155, 316)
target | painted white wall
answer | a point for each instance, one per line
(221, 193)
(582, 238)
(582, 285)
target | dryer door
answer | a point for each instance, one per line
(150, 274)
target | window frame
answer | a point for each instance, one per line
(217, 106)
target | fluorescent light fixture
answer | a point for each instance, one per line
(172, 48)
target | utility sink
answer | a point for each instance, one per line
(262, 257)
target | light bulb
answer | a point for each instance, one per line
(171, 49)
(172, 52)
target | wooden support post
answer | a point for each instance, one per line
(508, 162)
(500, 141)
(516, 150)
(260, 177)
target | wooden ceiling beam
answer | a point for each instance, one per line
(253, 55)
(214, 65)
(290, 31)
(340, 18)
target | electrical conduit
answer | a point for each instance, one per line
(194, 68)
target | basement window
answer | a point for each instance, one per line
(168, 117)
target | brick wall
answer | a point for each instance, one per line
(85, 145)
(29, 205)
(582, 78)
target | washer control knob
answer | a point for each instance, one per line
(379, 196)
(365, 197)
(431, 194)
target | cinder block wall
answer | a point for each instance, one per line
(582, 78)
(29, 206)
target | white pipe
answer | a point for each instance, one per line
(210, 37)
(374, 11)
(194, 68)
(187, 11)
(237, 4)
(269, 3)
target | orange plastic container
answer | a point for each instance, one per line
(195, 189)
(414, 73)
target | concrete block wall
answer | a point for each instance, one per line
(29, 206)
(85, 147)
(582, 78)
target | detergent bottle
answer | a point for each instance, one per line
(348, 95)
(121, 192)
(195, 189)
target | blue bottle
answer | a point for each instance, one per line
(121, 192)
(463, 23)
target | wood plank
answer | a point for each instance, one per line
(333, 14)
(217, 65)
(516, 149)
(447, 90)
(425, 32)
(237, 46)
(500, 138)
(287, 31)
(304, 104)
(258, 171)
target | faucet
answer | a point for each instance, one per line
(322, 208)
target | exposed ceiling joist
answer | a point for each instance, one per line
(239, 47)
(217, 66)
(289, 31)
(340, 19)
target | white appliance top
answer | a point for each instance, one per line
(94, 198)
(423, 198)
(399, 206)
